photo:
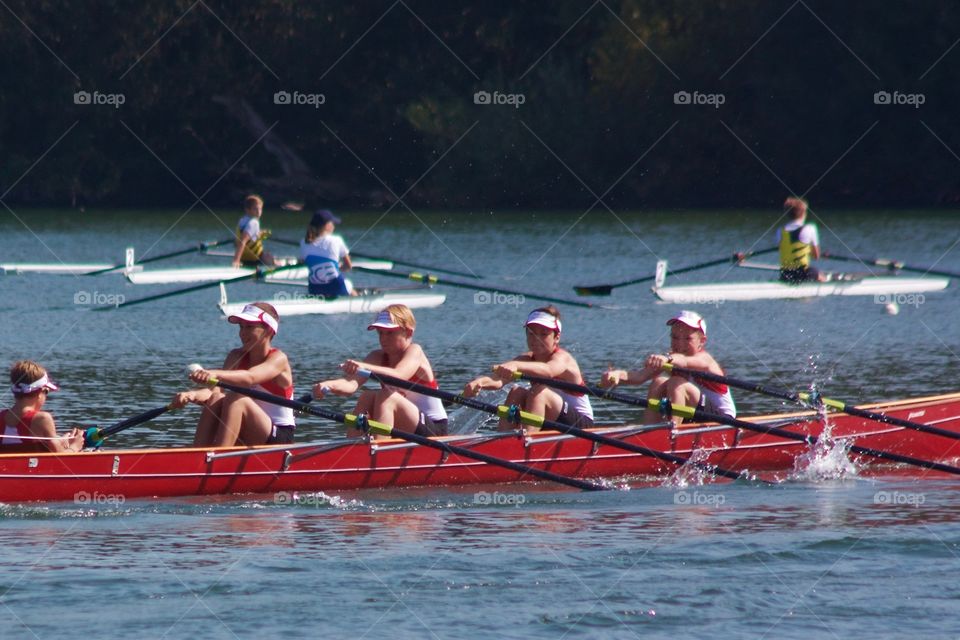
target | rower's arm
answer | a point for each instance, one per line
(241, 244)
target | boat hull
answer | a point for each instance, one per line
(743, 291)
(97, 477)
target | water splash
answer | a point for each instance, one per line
(694, 472)
(827, 459)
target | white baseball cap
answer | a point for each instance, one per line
(544, 319)
(692, 319)
(253, 313)
(383, 321)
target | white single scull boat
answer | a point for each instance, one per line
(296, 304)
(69, 268)
(712, 292)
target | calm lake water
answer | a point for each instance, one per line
(832, 555)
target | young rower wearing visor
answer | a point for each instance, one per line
(25, 427)
(230, 419)
(398, 356)
(688, 340)
(545, 359)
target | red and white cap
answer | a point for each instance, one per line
(692, 319)
(253, 313)
(383, 321)
(544, 319)
(25, 388)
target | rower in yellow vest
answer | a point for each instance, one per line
(799, 242)
(249, 242)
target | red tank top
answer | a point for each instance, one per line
(270, 386)
(22, 426)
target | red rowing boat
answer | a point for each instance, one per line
(353, 464)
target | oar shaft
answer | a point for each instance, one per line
(173, 254)
(94, 436)
(258, 273)
(431, 279)
(892, 265)
(811, 400)
(384, 429)
(539, 421)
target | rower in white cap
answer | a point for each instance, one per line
(230, 419)
(688, 339)
(544, 359)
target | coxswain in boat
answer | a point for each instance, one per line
(546, 359)
(326, 255)
(688, 340)
(25, 427)
(249, 241)
(398, 356)
(230, 419)
(799, 242)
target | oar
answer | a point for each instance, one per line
(813, 400)
(94, 436)
(393, 260)
(361, 422)
(201, 247)
(607, 289)
(431, 280)
(699, 415)
(258, 273)
(892, 265)
(533, 419)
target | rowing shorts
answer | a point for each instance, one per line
(796, 276)
(570, 417)
(330, 290)
(281, 434)
(428, 427)
(714, 402)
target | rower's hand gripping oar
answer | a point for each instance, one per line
(430, 279)
(699, 415)
(607, 289)
(515, 415)
(363, 423)
(814, 401)
(203, 246)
